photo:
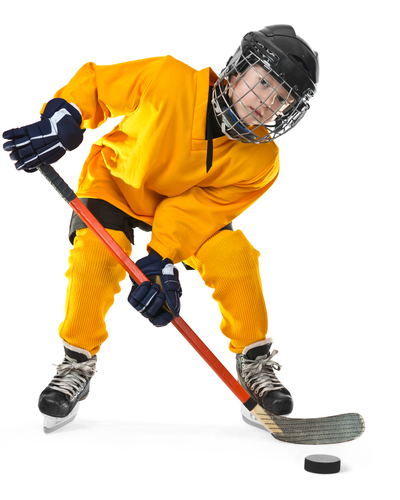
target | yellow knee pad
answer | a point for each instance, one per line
(93, 280)
(228, 263)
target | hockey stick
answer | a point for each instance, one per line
(324, 430)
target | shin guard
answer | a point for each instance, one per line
(93, 280)
(228, 263)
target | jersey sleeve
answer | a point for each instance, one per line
(183, 223)
(101, 92)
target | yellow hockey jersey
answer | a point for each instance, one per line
(152, 165)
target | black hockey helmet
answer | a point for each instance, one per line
(287, 64)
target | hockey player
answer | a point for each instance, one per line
(191, 153)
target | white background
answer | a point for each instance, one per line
(158, 422)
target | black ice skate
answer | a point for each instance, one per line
(59, 402)
(255, 369)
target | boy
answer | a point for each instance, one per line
(192, 152)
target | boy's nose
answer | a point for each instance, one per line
(269, 101)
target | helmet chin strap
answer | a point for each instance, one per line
(232, 124)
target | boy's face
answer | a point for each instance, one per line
(257, 97)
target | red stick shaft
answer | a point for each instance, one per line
(139, 277)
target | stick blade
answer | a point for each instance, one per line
(323, 430)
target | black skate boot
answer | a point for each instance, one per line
(59, 402)
(255, 369)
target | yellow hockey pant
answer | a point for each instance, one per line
(227, 263)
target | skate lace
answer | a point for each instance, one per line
(71, 375)
(259, 373)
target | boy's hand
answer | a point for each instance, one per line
(159, 299)
(47, 140)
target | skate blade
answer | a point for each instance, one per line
(51, 424)
(250, 419)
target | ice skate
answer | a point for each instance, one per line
(59, 402)
(255, 369)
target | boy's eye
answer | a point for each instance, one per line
(264, 83)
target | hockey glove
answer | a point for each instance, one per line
(47, 140)
(157, 300)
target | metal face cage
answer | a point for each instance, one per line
(253, 103)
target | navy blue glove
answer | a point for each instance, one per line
(157, 300)
(47, 140)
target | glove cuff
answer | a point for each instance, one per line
(58, 103)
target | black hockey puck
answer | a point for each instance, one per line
(322, 464)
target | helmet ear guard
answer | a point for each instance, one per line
(286, 60)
